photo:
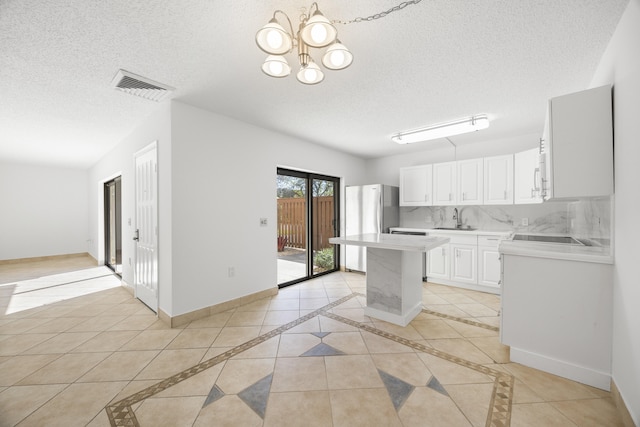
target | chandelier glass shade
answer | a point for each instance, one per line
(314, 31)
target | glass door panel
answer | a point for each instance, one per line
(323, 224)
(292, 227)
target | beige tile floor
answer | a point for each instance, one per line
(103, 358)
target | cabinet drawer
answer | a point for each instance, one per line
(458, 239)
(492, 241)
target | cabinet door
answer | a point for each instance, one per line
(489, 266)
(498, 180)
(527, 177)
(470, 186)
(464, 263)
(580, 144)
(444, 184)
(416, 184)
(438, 262)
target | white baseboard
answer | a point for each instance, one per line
(396, 319)
(563, 369)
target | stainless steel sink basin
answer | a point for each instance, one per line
(455, 229)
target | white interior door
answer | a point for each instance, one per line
(146, 233)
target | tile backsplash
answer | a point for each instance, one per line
(585, 218)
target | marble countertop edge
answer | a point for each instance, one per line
(602, 255)
(398, 242)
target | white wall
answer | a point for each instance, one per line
(120, 161)
(224, 181)
(620, 65)
(43, 211)
(385, 170)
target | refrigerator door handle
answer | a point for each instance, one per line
(379, 213)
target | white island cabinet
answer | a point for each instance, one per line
(557, 313)
(394, 273)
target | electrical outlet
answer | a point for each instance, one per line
(263, 222)
(525, 222)
(232, 271)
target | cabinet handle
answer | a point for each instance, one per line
(449, 196)
(443, 254)
(505, 195)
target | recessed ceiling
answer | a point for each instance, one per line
(431, 62)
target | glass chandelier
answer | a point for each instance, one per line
(314, 31)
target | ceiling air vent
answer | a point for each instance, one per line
(143, 87)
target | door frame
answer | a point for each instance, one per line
(309, 177)
(106, 222)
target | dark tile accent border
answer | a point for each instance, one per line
(461, 320)
(121, 412)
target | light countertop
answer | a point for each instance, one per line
(596, 254)
(398, 242)
(457, 232)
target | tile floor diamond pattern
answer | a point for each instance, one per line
(280, 361)
(304, 381)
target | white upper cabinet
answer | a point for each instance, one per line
(470, 188)
(498, 180)
(444, 184)
(527, 177)
(416, 186)
(579, 145)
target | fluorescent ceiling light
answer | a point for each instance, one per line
(442, 130)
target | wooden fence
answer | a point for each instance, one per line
(292, 221)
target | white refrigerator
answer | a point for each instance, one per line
(369, 209)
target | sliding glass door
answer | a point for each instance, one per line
(307, 217)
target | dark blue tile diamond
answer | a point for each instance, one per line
(322, 349)
(398, 390)
(434, 384)
(214, 395)
(320, 334)
(256, 395)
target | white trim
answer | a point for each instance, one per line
(396, 319)
(561, 368)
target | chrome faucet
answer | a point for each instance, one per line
(456, 217)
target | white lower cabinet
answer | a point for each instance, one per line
(489, 268)
(438, 262)
(470, 261)
(464, 263)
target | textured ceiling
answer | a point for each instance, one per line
(431, 62)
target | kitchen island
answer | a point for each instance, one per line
(394, 273)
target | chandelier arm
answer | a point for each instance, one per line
(311, 7)
(292, 34)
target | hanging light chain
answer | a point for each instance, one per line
(380, 14)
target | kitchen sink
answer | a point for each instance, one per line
(455, 229)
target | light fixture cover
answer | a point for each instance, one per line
(273, 39)
(310, 75)
(337, 57)
(442, 130)
(318, 31)
(276, 66)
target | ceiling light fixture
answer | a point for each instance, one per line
(314, 31)
(442, 130)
